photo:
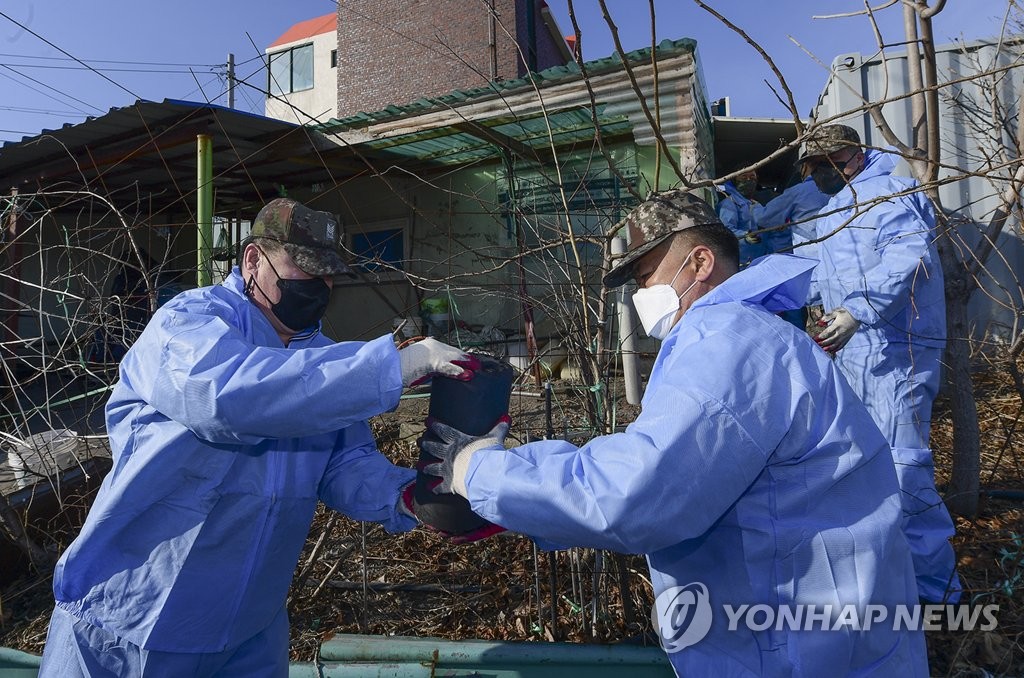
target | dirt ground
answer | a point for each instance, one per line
(355, 578)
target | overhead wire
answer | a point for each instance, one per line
(259, 56)
(50, 96)
(154, 137)
(83, 65)
(110, 61)
(98, 67)
(41, 111)
(199, 88)
(98, 70)
(65, 52)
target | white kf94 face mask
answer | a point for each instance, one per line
(657, 305)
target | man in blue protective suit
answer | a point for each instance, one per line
(752, 476)
(232, 417)
(737, 210)
(787, 221)
(881, 287)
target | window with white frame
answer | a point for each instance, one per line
(291, 70)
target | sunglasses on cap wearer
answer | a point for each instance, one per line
(827, 162)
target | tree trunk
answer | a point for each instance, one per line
(962, 495)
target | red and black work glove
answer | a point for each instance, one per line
(452, 450)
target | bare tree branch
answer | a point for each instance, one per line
(851, 14)
(794, 111)
(641, 99)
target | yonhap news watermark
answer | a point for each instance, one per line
(683, 616)
(929, 617)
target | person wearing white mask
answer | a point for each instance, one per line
(752, 476)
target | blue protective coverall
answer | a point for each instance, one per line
(752, 469)
(223, 440)
(737, 213)
(884, 269)
(796, 207)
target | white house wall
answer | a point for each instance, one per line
(462, 246)
(318, 104)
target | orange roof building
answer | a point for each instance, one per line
(307, 29)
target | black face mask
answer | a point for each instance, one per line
(747, 188)
(302, 303)
(829, 178)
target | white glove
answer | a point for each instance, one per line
(839, 328)
(428, 357)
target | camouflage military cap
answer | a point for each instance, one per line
(827, 140)
(311, 238)
(652, 222)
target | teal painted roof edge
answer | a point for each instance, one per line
(543, 78)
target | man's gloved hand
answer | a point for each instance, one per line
(453, 455)
(453, 449)
(752, 238)
(428, 357)
(839, 328)
(407, 505)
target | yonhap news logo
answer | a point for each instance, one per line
(683, 616)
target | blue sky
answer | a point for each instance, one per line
(178, 49)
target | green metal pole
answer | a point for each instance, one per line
(204, 209)
(348, 655)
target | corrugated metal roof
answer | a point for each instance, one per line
(545, 78)
(148, 150)
(151, 146)
(157, 116)
(451, 146)
(552, 107)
